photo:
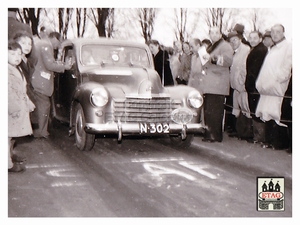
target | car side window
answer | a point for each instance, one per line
(69, 57)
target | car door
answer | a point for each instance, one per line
(64, 87)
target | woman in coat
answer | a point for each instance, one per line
(19, 104)
(161, 63)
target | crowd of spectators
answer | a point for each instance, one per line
(31, 64)
(248, 78)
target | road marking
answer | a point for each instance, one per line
(61, 173)
(214, 149)
(198, 169)
(157, 159)
(34, 166)
(67, 184)
(157, 170)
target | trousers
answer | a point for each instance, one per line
(43, 106)
(276, 135)
(213, 116)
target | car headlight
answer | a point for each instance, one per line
(195, 99)
(99, 97)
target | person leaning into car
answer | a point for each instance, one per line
(42, 80)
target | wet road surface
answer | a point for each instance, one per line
(143, 177)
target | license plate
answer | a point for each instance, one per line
(154, 128)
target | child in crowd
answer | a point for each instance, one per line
(27, 66)
(19, 104)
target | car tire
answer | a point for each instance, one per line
(84, 141)
(178, 142)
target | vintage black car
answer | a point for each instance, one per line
(113, 88)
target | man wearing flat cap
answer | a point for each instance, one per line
(238, 76)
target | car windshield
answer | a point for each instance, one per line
(105, 55)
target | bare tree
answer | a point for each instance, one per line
(64, 17)
(254, 19)
(146, 18)
(180, 22)
(216, 17)
(81, 18)
(258, 18)
(110, 22)
(31, 16)
(99, 16)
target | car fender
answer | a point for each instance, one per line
(82, 97)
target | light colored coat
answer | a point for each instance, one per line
(273, 80)
(237, 80)
(196, 73)
(174, 65)
(185, 66)
(19, 105)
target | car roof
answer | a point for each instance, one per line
(101, 40)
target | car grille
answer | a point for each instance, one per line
(144, 110)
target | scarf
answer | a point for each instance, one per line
(214, 46)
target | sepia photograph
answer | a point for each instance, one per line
(149, 112)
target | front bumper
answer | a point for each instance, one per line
(134, 128)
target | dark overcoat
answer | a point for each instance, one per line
(254, 62)
(161, 63)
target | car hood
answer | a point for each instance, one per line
(131, 81)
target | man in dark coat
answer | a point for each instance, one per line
(254, 62)
(161, 63)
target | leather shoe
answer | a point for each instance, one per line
(17, 158)
(251, 140)
(208, 140)
(267, 146)
(233, 134)
(41, 137)
(17, 168)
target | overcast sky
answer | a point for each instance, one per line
(164, 34)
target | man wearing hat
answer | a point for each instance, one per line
(239, 28)
(237, 78)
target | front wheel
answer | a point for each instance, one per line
(178, 142)
(84, 141)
